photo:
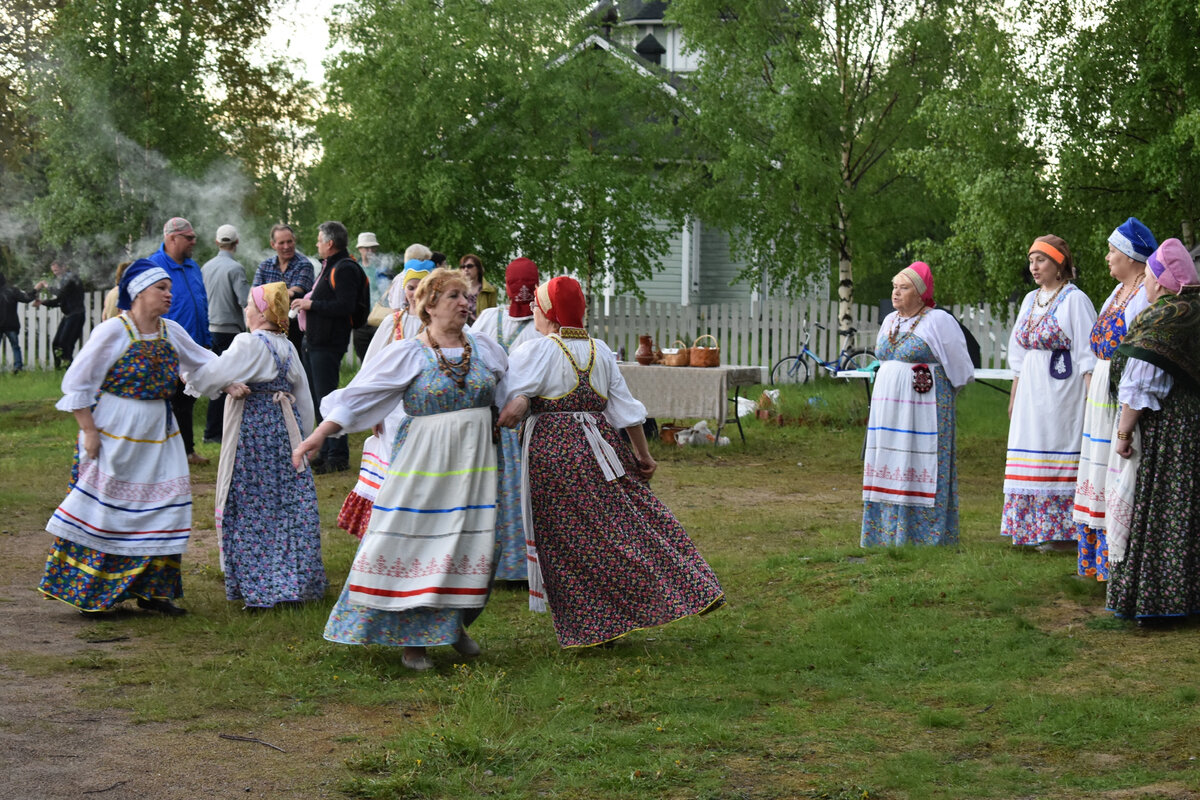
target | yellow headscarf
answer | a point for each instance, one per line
(272, 300)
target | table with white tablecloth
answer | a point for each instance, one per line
(689, 392)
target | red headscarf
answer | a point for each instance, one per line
(561, 300)
(922, 278)
(520, 282)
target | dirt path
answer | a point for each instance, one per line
(53, 747)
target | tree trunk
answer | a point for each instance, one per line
(845, 280)
(845, 265)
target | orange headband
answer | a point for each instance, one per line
(1049, 250)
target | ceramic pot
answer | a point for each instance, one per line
(645, 351)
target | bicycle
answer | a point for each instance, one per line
(795, 369)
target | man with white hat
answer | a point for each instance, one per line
(227, 288)
(189, 307)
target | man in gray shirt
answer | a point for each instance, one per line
(227, 289)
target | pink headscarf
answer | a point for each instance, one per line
(1172, 266)
(922, 278)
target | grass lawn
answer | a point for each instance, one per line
(834, 672)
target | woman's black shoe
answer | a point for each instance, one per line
(161, 606)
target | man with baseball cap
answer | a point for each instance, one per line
(227, 288)
(189, 307)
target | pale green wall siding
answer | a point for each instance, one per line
(718, 268)
(663, 287)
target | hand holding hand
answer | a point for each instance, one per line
(647, 466)
(237, 389)
(310, 445)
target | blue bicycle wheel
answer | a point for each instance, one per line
(791, 369)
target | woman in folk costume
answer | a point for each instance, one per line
(398, 294)
(122, 529)
(511, 326)
(910, 477)
(266, 512)
(612, 558)
(1128, 248)
(1050, 353)
(424, 568)
(1154, 503)
(402, 323)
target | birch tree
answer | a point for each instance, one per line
(804, 106)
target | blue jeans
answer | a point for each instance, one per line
(14, 341)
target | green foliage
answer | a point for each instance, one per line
(984, 154)
(484, 128)
(138, 111)
(804, 106)
(1128, 123)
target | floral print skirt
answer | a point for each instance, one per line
(1093, 553)
(271, 533)
(613, 557)
(95, 581)
(1160, 575)
(510, 529)
(1033, 519)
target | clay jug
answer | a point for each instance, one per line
(645, 351)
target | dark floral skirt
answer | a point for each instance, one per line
(614, 559)
(1160, 576)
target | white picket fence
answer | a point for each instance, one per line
(37, 332)
(756, 334)
(759, 334)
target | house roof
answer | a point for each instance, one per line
(668, 81)
(633, 10)
(630, 11)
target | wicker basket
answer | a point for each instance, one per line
(705, 356)
(678, 356)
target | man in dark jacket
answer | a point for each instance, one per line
(327, 329)
(68, 295)
(10, 322)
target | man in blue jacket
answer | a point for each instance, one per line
(189, 307)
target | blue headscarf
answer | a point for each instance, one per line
(415, 268)
(1134, 240)
(139, 276)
